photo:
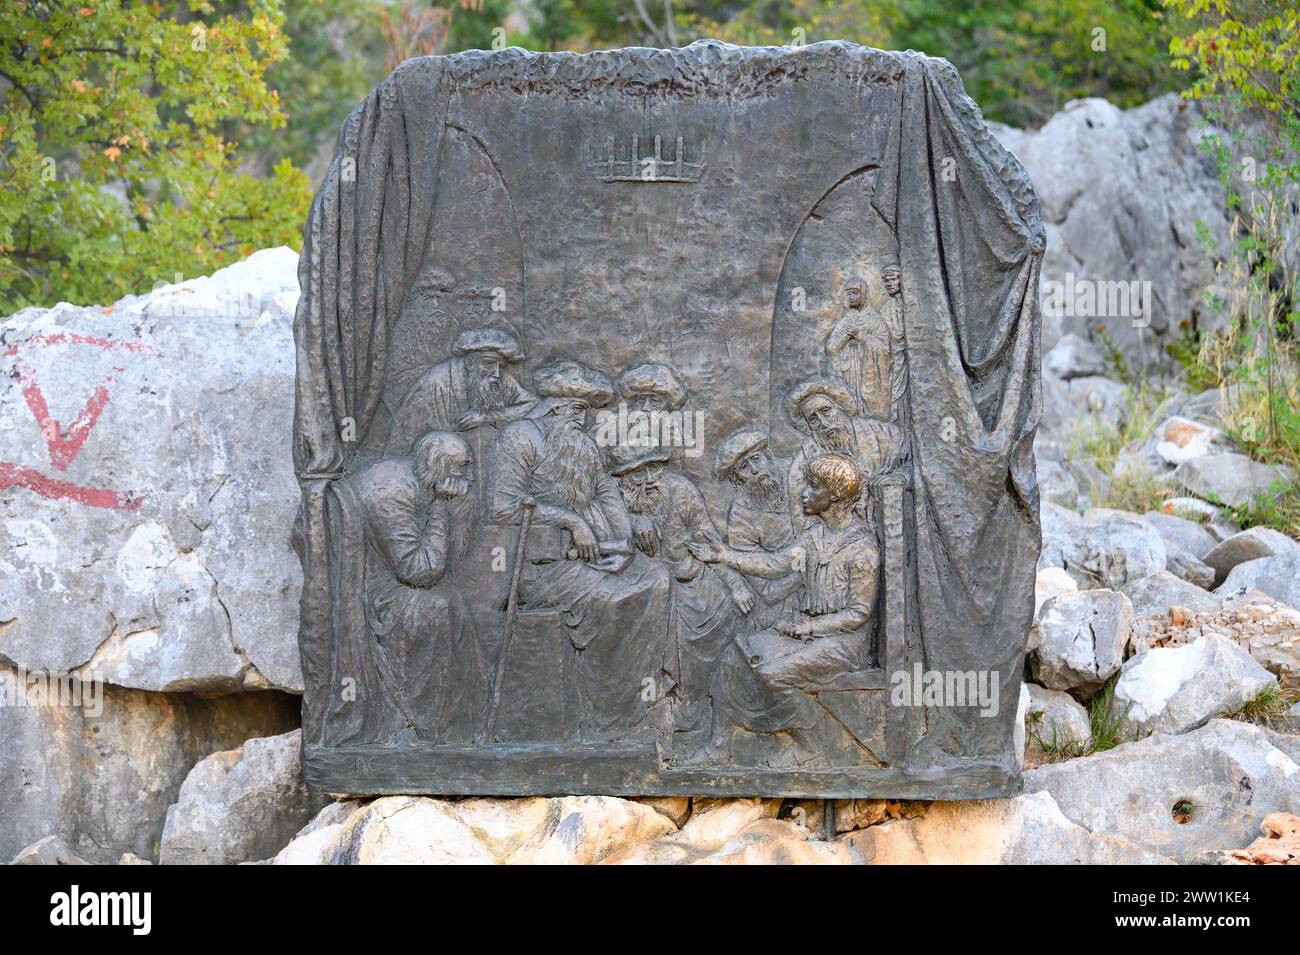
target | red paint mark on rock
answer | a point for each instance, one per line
(63, 446)
(12, 475)
(72, 338)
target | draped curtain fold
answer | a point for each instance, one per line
(970, 248)
(362, 249)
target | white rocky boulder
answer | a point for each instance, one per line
(1082, 639)
(1180, 439)
(1250, 544)
(1230, 478)
(1074, 356)
(240, 805)
(146, 489)
(1055, 720)
(101, 774)
(1179, 795)
(1157, 593)
(1175, 689)
(1278, 576)
(1126, 197)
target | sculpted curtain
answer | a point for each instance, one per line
(970, 247)
(362, 247)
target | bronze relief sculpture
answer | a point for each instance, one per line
(646, 462)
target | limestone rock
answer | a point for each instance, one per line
(103, 775)
(1050, 583)
(1055, 719)
(1019, 731)
(408, 830)
(145, 519)
(1074, 357)
(1179, 534)
(1083, 638)
(1222, 779)
(1186, 567)
(415, 829)
(676, 809)
(240, 805)
(1181, 439)
(1251, 544)
(1278, 576)
(1056, 482)
(580, 830)
(1157, 593)
(51, 850)
(1211, 516)
(1124, 194)
(1117, 547)
(1175, 689)
(1279, 844)
(1027, 830)
(316, 842)
(1229, 478)
(739, 832)
(1267, 630)
(1062, 530)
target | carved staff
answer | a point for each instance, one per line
(512, 604)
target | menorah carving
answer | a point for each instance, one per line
(655, 167)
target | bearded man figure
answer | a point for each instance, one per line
(759, 517)
(424, 646)
(822, 409)
(668, 512)
(472, 392)
(613, 601)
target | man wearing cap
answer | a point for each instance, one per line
(579, 557)
(759, 517)
(431, 676)
(471, 389)
(823, 410)
(707, 601)
(654, 393)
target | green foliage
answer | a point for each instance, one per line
(1023, 60)
(1104, 719)
(1104, 729)
(334, 56)
(1242, 57)
(117, 165)
(1267, 708)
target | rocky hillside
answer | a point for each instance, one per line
(147, 503)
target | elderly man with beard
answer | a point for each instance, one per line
(707, 601)
(822, 409)
(473, 391)
(424, 648)
(579, 559)
(759, 517)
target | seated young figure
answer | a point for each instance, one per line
(839, 561)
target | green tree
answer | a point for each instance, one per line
(1243, 58)
(118, 167)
